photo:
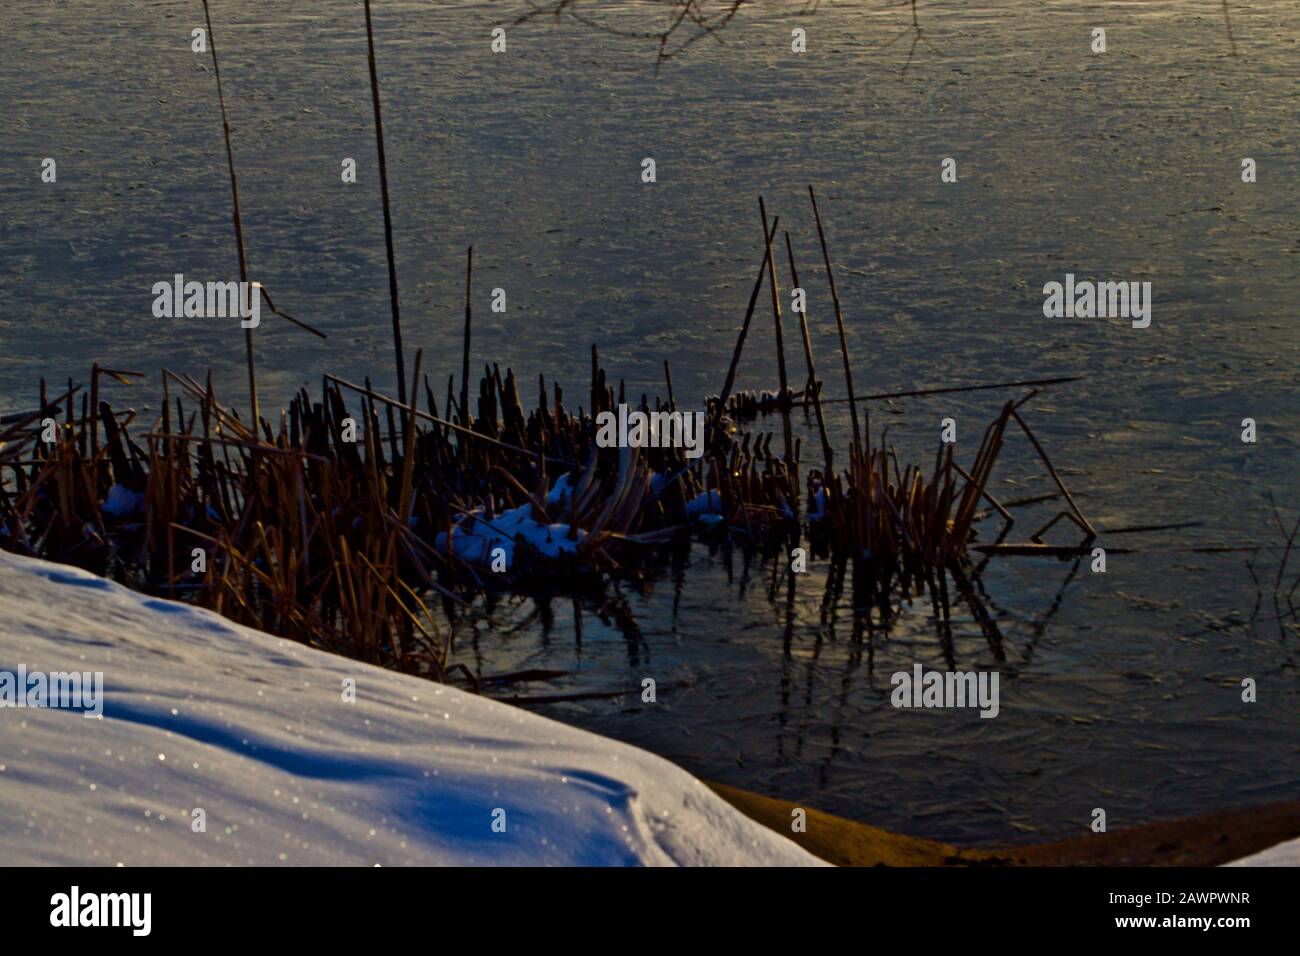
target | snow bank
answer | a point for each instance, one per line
(253, 730)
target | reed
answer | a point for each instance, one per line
(399, 355)
(239, 225)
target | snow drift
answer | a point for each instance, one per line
(200, 714)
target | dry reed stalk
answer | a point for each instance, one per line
(860, 439)
(827, 454)
(780, 340)
(1065, 492)
(239, 226)
(400, 362)
(464, 367)
(749, 315)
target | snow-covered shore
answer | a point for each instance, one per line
(254, 731)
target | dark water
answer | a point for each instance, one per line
(1119, 690)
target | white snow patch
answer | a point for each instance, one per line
(475, 538)
(253, 729)
(1284, 854)
(122, 502)
(561, 491)
(705, 503)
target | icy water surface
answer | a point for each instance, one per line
(1119, 690)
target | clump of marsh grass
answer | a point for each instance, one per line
(347, 522)
(338, 527)
(350, 519)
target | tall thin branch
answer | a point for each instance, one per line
(400, 364)
(239, 226)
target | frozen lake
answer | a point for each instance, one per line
(1120, 690)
